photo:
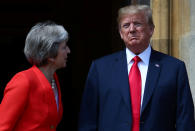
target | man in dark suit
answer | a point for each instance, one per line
(137, 89)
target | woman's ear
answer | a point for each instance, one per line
(50, 60)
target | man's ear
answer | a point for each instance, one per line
(119, 30)
(151, 31)
(120, 34)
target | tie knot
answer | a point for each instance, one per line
(136, 59)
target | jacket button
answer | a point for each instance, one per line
(52, 127)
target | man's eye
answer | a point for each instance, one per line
(137, 24)
(125, 26)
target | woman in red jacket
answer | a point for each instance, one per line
(32, 98)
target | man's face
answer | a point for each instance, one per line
(135, 32)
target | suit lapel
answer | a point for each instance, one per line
(151, 79)
(122, 76)
(44, 83)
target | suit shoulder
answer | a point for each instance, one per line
(19, 83)
(20, 78)
(165, 57)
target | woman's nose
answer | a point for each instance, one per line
(68, 49)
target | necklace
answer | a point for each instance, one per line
(53, 84)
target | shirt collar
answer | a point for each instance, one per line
(145, 55)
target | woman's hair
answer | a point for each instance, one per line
(133, 9)
(42, 42)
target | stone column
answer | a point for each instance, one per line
(160, 40)
(187, 39)
(179, 24)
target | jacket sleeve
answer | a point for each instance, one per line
(88, 120)
(14, 102)
(185, 107)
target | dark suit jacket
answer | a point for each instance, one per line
(167, 103)
(29, 103)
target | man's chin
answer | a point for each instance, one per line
(133, 43)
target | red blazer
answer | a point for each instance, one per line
(29, 103)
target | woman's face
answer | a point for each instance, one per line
(61, 58)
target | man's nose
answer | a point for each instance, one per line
(132, 28)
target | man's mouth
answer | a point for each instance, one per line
(133, 38)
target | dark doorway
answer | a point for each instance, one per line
(93, 33)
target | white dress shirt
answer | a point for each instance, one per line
(142, 65)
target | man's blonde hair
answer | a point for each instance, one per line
(133, 9)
